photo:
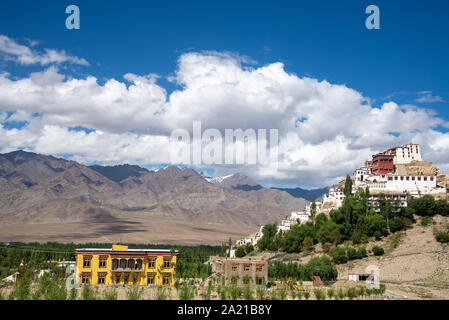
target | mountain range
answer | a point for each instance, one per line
(44, 198)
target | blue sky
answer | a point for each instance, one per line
(322, 39)
(405, 61)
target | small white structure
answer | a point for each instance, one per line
(11, 278)
(334, 196)
(302, 216)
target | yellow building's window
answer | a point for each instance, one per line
(85, 278)
(117, 278)
(166, 278)
(167, 263)
(101, 278)
(102, 262)
(126, 278)
(86, 262)
(152, 262)
(150, 277)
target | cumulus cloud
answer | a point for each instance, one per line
(25, 55)
(325, 130)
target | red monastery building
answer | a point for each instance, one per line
(382, 163)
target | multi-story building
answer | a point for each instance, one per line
(405, 154)
(121, 265)
(256, 270)
(382, 163)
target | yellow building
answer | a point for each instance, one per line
(121, 265)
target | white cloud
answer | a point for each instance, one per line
(27, 56)
(427, 96)
(325, 130)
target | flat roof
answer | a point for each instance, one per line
(131, 251)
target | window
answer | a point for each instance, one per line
(131, 264)
(166, 278)
(431, 178)
(150, 278)
(152, 262)
(413, 178)
(259, 268)
(139, 264)
(247, 267)
(86, 262)
(114, 264)
(425, 178)
(102, 262)
(85, 278)
(117, 278)
(234, 267)
(167, 263)
(126, 278)
(101, 278)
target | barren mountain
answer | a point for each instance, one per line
(43, 198)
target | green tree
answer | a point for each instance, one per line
(424, 206)
(240, 252)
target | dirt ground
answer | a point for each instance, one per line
(418, 267)
(141, 228)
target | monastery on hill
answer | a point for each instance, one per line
(398, 173)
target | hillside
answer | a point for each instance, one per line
(45, 198)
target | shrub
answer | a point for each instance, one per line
(376, 224)
(235, 292)
(240, 252)
(308, 243)
(89, 293)
(424, 206)
(361, 253)
(442, 237)
(73, 294)
(186, 292)
(426, 221)
(338, 255)
(319, 294)
(442, 207)
(161, 293)
(260, 292)
(377, 235)
(110, 294)
(352, 253)
(351, 293)
(247, 292)
(207, 295)
(306, 295)
(378, 251)
(395, 224)
(330, 293)
(341, 294)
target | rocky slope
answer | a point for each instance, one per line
(42, 191)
